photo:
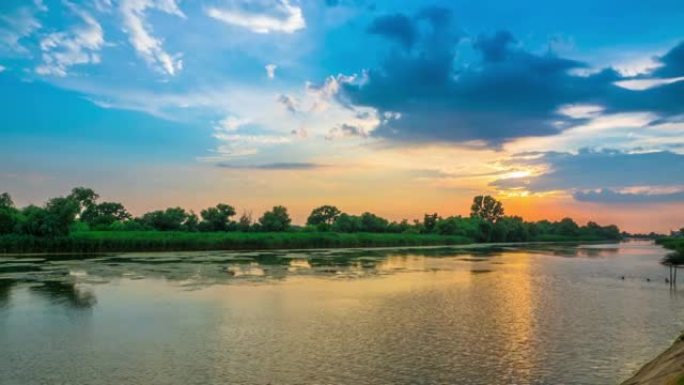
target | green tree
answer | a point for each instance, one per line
(373, 224)
(171, 219)
(85, 197)
(217, 218)
(486, 208)
(245, 222)
(6, 201)
(9, 215)
(430, 222)
(104, 214)
(275, 220)
(55, 219)
(567, 227)
(323, 216)
(346, 223)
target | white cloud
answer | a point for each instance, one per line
(80, 45)
(644, 84)
(270, 70)
(149, 47)
(2, 68)
(23, 22)
(263, 16)
(230, 124)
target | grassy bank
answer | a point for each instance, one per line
(672, 243)
(115, 241)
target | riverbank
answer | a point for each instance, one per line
(126, 241)
(139, 241)
(666, 369)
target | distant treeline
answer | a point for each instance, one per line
(81, 211)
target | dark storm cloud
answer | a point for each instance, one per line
(603, 170)
(508, 93)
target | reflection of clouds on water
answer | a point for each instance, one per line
(198, 269)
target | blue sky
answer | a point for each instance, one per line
(163, 102)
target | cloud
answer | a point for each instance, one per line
(80, 45)
(263, 16)
(672, 63)
(230, 124)
(290, 103)
(270, 70)
(506, 93)
(398, 27)
(2, 68)
(273, 166)
(22, 23)
(346, 130)
(140, 35)
(588, 171)
(610, 196)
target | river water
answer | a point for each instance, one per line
(590, 314)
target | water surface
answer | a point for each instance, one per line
(591, 314)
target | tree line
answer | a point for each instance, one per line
(81, 210)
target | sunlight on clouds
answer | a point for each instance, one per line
(270, 16)
(644, 84)
(140, 34)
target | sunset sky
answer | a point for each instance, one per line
(572, 108)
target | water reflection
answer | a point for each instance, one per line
(5, 291)
(65, 293)
(443, 315)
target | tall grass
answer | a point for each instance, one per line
(115, 241)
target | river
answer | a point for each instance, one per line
(544, 314)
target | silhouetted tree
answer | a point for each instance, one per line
(171, 219)
(487, 208)
(104, 214)
(275, 220)
(323, 216)
(217, 218)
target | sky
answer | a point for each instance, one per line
(396, 107)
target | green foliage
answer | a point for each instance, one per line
(48, 227)
(9, 215)
(85, 197)
(55, 219)
(104, 214)
(486, 208)
(171, 219)
(430, 222)
(346, 223)
(372, 223)
(245, 222)
(122, 241)
(217, 218)
(275, 220)
(324, 215)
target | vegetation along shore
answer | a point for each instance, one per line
(80, 223)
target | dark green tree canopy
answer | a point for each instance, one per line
(217, 218)
(104, 214)
(486, 208)
(171, 219)
(323, 215)
(84, 196)
(275, 220)
(6, 201)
